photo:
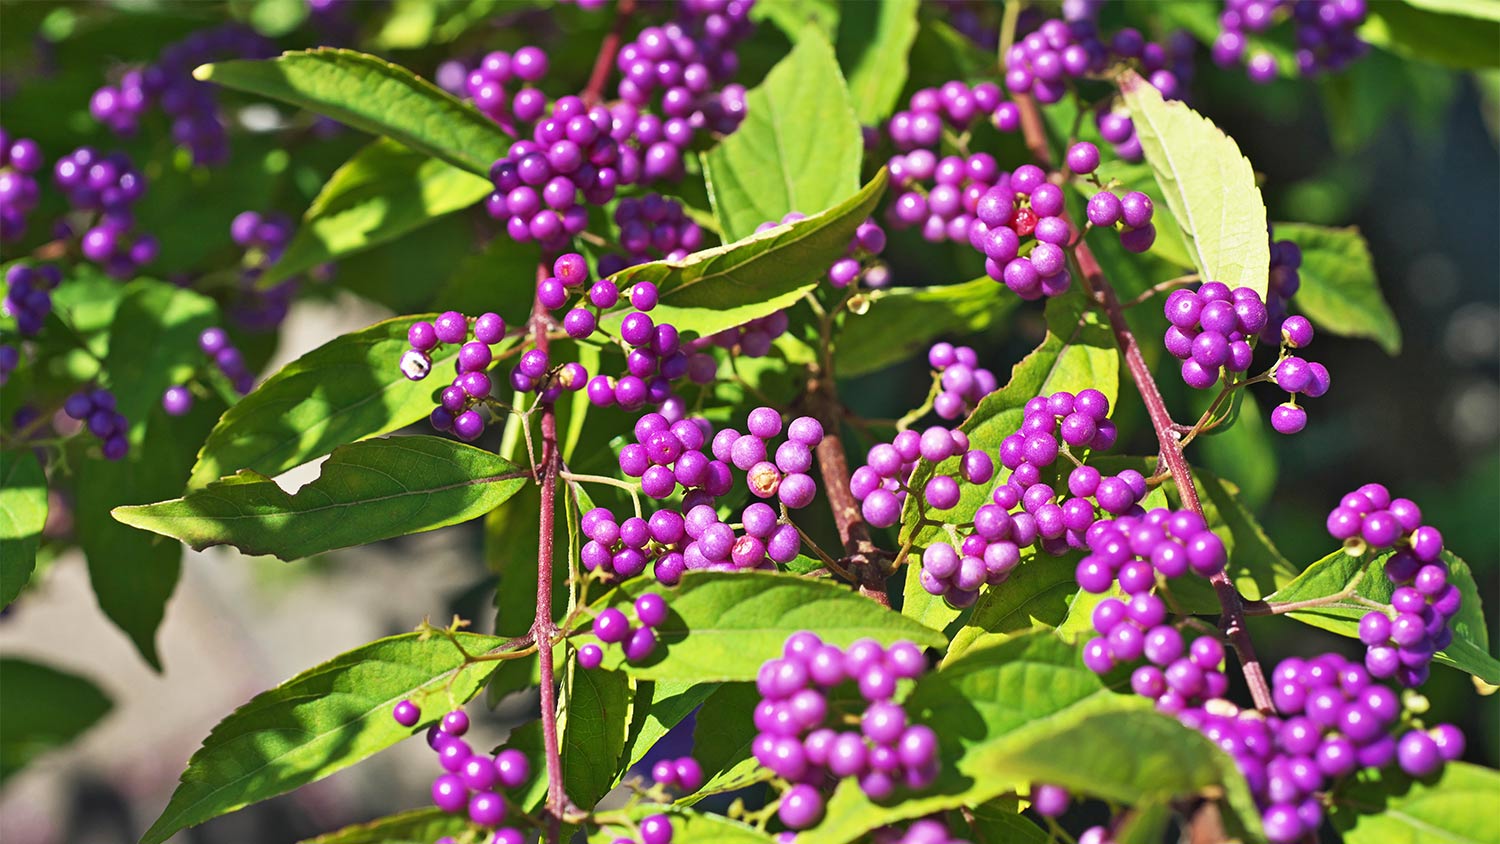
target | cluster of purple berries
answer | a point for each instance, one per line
(1045, 60)
(681, 70)
(1282, 283)
(954, 104)
(1297, 375)
(798, 703)
(612, 627)
(1332, 721)
(169, 83)
(458, 403)
(1326, 33)
(472, 781)
(1135, 550)
(752, 340)
(858, 263)
(19, 161)
(1400, 644)
(962, 381)
(921, 831)
(1132, 212)
(109, 185)
(96, 409)
(684, 774)
(651, 227)
(216, 344)
(28, 297)
(1177, 675)
(1001, 224)
(538, 184)
(942, 196)
(486, 84)
(881, 484)
(263, 237)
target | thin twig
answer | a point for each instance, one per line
(1095, 282)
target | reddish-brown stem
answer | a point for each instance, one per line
(608, 48)
(860, 555)
(1098, 287)
(543, 630)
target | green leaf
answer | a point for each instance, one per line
(132, 573)
(1027, 711)
(375, 96)
(23, 512)
(347, 389)
(1209, 186)
(371, 490)
(722, 625)
(799, 148)
(159, 349)
(1037, 594)
(688, 827)
(1387, 807)
(1242, 453)
(419, 826)
(1470, 650)
(1006, 827)
(797, 18)
(593, 732)
(659, 706)
(729, 285)
(902, 320)
(722, 737)
(1424, 30)
(42, 708)
(383, 192)
(1339, 290)
(873, 49)
(321, 721)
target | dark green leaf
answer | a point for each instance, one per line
(722, 625)
(660, 705)
(1454, 34)
(419, 826)
(730, 285)
(23, 512)
(1208, 184)
(1005, 827)
(1339, 290)
(799, 148)
(160, 347)
(134, 573)
(371, 490)
(42, 708)
(902, 320)
(372, 95)
(383, 192)
(321, 721)
(873, 50)
(1470, 650)
(347, 389)
(722, 739)
(1256, 566)
(1036, 594)
(1387, 807)
(1242, 453)
(593, 732)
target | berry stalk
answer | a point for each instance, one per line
(859, 549)
(608, 48)
(1098, 286)
(543, 630)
